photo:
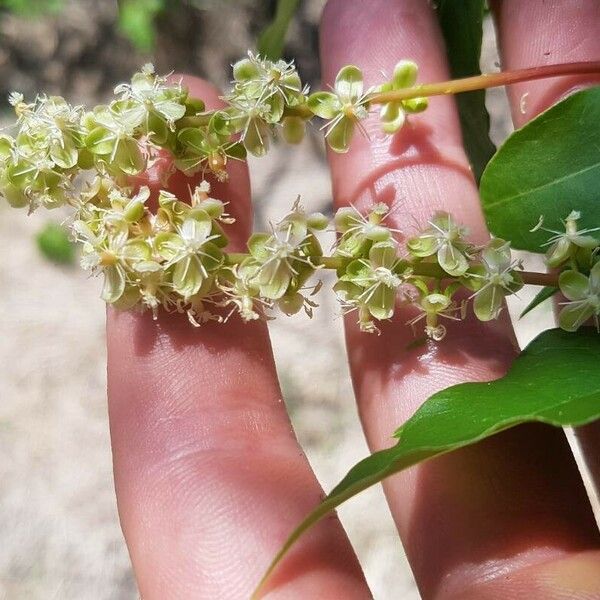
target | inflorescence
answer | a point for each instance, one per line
(173, 255)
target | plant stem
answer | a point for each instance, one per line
(196, 121)
(541, 279)
(300, 110)
(487, 80)
(421, 269)
(453, 86)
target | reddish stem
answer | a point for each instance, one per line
(487, 80)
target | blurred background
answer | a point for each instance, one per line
(59, 532)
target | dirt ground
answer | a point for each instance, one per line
(59, 534)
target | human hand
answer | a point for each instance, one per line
(209, 476)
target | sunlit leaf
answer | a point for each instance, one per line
(541, 296)
(547, 168)
(564, 367)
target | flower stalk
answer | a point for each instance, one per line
(486, 80)
(431, 270)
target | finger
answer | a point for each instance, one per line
(514, 500)
(538, 33)
(208, 473)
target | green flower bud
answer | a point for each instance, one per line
(317, 221)
(293, 129)
(134, 211)
(245, 69)
(405, 74)
(114, 283)
(345, 218)
(435, 303)
(291, 304)
(349, 84)
(14, 195)
(583, 295)
(371, 284)
(340, 135)
(6, 147)
(193, 106)
(415, 105)
(324, 104)
(393, 114)
(392, 117)
(256, 137)
(213, 207)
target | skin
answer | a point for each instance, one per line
(209, 476)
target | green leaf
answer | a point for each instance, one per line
(541, 296)
(54, 243)
(136, 21)
(461, 23)
(547, 168)
(564, 367)
(272, 39)
(33, 8)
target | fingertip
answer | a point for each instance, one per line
(538, 33)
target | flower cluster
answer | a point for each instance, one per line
(122, 136)
(171, 253)
(264, 94)
(348, 104)
(278, 266)
(393, 113)
(39, 164)
(175, 257)
(441, 263)
(577, 253)
(169, 258)
(493, 278)
(55, 143)
(343, 108)
(371, 273)
(583, 298)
